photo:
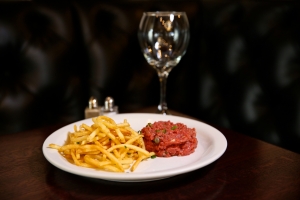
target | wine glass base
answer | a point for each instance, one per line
(163, 112)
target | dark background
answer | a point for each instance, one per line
(241, 69)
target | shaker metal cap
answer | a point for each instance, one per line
(93, 103)
(109, 104)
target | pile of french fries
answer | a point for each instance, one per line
(105, 145)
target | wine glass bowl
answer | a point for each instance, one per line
(163, 38)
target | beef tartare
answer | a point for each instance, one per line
(168, 139)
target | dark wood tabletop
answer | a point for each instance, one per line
(249, 169)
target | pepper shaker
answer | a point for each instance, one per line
(93, 110)
(109, 107)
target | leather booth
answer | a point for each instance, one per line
(241, 70)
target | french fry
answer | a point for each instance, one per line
(92, 135)
(104, 145)
(143, 151)
(86, 127)
(81, 133)
(54, 146)
(137, 162)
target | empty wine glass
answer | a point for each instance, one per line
(163, 37)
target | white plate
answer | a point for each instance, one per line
(211, 145)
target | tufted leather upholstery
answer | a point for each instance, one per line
(241, 70)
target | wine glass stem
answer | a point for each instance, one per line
(162, 107)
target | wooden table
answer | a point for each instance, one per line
(249, 169)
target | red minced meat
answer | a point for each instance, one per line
(168, 139)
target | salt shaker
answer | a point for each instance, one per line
(93, 110)
(109, 107)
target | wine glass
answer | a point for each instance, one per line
(163, 37)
